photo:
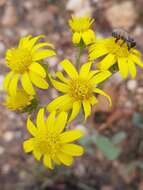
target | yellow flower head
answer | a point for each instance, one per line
(116, 52)
(50, 142)
(18, 101)
(81, 30)
(24, 66)
(78, 89)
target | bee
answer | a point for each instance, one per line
(121, 34)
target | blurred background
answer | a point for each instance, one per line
(114, 142)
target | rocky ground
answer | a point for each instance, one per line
(93, 171)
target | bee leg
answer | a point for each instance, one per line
(123, 40)
(129, 47)
(117, 39)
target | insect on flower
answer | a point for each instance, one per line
(116, 51)
(122, 34)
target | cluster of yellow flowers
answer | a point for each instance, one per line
(51, 140)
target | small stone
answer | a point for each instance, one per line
(9, 18)
(138, 31)
(1, 150)
(2, 47)
(82, 128)
(22, 175)
(132, 85)
(2, 2)
(80, 170)
(28, 5)
(140, 90)
(80, 7)
(8, 32)
(122, 15)
(8, 136)
(53, 61)
(5, 168)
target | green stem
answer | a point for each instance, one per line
(78, 57)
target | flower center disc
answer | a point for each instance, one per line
(47, 144)
(19, 60)
(80, 89)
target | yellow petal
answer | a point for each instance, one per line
(32, 41)
(70, 136)
(94, 54)
(107, 62)
(47, 161)
(56, 160)
(100, 77)
(62, 77)
(132, 68)
(42, 54)
(84, 71)
(87, 108)
(136, 60)
(58, 85)
(37, 154)
(38, 81)
(76, 37)
(69, 68)
(93, 100)
(65, 159)
(72, 149)
(97, 90)
(50, 122)
(40, 119)
(7, 80)
(75, 110)
(88, 37)
(13, 84)
(26, 83)
(66, 105)
(92, 73)
(24, 41)
(123, 67)
(28, 145)
(31, 127)
(38, 69)
(42, 44)
(136, 52)
(60, 122)
(56, 103)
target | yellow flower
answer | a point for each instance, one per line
(18, 101)
(116, 52)
(50, 142)
(24, 66)
(78, 89)
(81, 30)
